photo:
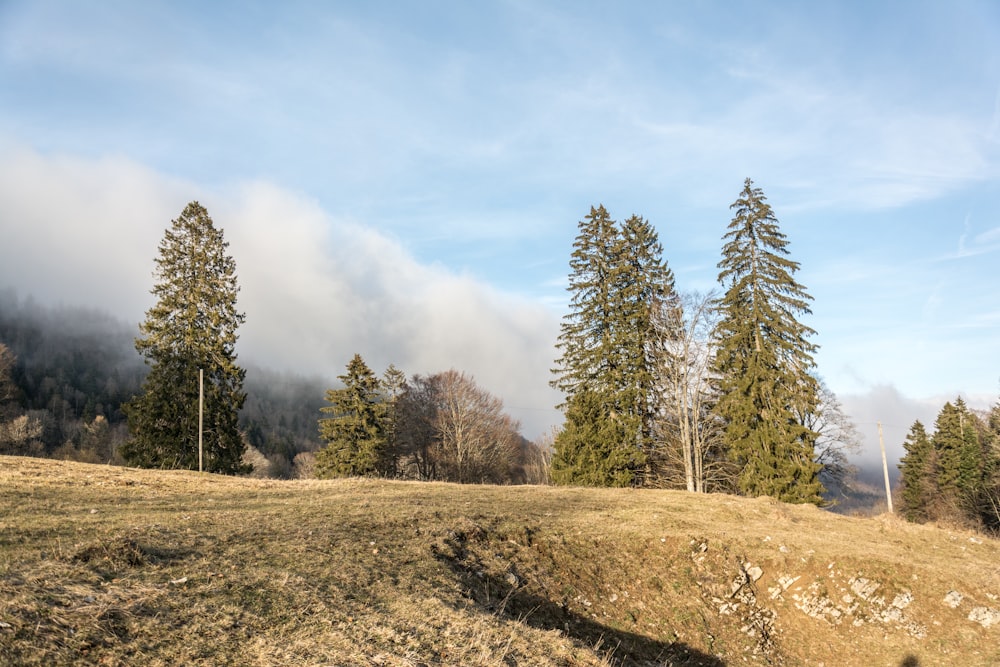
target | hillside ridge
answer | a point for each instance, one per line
(111, 565)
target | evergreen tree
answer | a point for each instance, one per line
(356, 433)
(586, 340)
(917, 475)
(587, 450)
(764, 358)
(192, 326)
(989, 500)
(651, 314)
(961, 460)
(618, 281)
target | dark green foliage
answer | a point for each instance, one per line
(989, 499)
(951, 475)
(356, 433)
(619, 283)
(650, 310)
(960, 461)
(588, 355)
(192, 326)
(764, 358)
(917, 482)
(593, 449)
(394, 386)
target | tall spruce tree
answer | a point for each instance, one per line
(586, 340)
(357, 431)
(918, 485)
(618, 280)
(651, 314)
(192, 327)
(764, 357)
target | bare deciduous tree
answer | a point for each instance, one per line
(536, 457)
(18, 433)
(449, 428)
(414, 441)
(689, 435)
(837, 437)
(478, 441)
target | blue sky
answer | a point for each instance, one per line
(404, 179)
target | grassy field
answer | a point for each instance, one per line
(115, 566)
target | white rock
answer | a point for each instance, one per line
(984, 616)
(903, 600)
(953, 599)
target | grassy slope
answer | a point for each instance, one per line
(103, 565)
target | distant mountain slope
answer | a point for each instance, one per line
(107, 565)
(74, 364)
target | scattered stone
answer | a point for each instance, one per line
(953, 599)
(984, 616)
(863, 587)
(903, 600)
(893, 614)
(784, 583)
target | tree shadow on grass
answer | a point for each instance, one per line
(507, 596)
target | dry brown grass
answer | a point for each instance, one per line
(115, 566)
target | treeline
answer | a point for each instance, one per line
(952, 475)
(713, 392)
(440, 427)
(68, 371)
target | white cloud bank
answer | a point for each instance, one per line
(315, 290)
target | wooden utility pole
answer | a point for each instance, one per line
(201, 410)
(885, 468)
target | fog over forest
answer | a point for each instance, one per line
(315, 291)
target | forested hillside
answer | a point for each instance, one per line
(73, 368)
